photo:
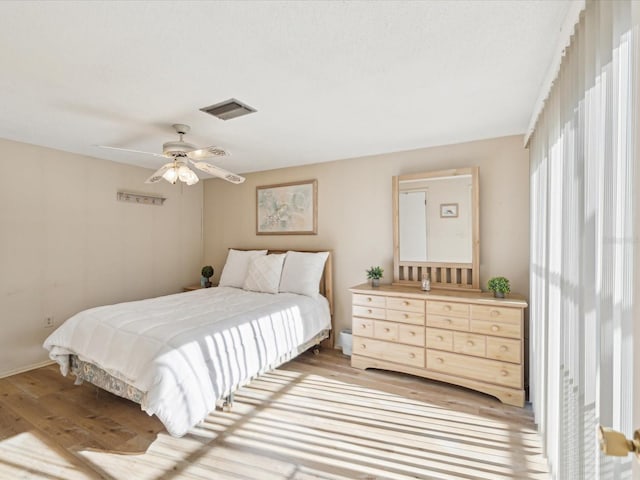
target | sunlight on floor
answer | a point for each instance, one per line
(295, 425)
(25, 455)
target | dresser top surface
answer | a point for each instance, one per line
(487, 298)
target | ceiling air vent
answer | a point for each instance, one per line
(228, 109)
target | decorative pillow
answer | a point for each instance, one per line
(264, 273)
(236, 267)
(302, 272)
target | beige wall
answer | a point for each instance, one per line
(355, 212)
(67, 244)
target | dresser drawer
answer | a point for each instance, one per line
(481, 369)
(469, 344)
(369, 312)
(385, 331)
(405, 304)
(410, 334)
(504, 349)
(449, 309)
(440, 339)
(369, 300)
(454, 323)
(391, 352)
(415, 318)
(496, 328)
(362, 327)
(496, 314)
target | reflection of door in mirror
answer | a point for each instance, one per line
(413, 226)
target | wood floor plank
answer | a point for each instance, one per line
(314, 418)
(11, 423)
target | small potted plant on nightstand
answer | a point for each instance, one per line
(499, 286)
(207, 273)
(375, 274)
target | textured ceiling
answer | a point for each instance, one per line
(330, 80)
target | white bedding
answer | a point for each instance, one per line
(188, 350)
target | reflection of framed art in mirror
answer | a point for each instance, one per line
(448, 210)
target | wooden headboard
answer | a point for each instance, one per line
(326, 284)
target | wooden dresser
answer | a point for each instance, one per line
(465, 338)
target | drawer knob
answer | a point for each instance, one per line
(495, 313)
(406, 315)
(412, 333)
(440, 360)
(364, 326)
(364, 347)
(447, 321)
(447, 308)
(369, 311)
(504, 373)
(503, 348)
(440, 338)
(495, 328)
(406, 304)
(470, 343)
(386, 329)
(369, 299)
(412, 355)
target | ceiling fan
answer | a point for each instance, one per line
(181, 155)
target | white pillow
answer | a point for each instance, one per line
(236, 267)
(264, 273)
(302, 272)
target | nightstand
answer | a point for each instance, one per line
(191, 288)
(196, 287)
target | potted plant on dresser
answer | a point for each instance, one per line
(375, 274)
(499, 286)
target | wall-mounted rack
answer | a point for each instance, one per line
(142, 198)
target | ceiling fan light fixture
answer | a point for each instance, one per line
(186, 175)
(171, 175)
(193, 179)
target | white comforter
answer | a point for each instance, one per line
(188, 350)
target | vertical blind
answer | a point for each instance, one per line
(583, 188)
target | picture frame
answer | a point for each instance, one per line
(287, 208)
(448, 210)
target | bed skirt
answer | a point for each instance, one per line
(89, 372)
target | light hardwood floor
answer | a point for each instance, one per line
(313, 418)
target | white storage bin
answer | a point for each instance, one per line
(346, 342)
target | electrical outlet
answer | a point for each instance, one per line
(48, 322)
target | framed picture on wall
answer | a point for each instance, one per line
(287, 208)
(448, 210)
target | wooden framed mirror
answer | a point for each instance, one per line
(436, 228)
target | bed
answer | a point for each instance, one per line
(178, 355)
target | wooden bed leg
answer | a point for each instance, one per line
(227, 405)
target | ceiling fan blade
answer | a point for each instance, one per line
(218, 172)
(131, 151)
(207, 152)
(157, 175)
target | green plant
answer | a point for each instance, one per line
(375, 273)
(499, 284)
(207, 271)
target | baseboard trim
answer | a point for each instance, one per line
(26, 369)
